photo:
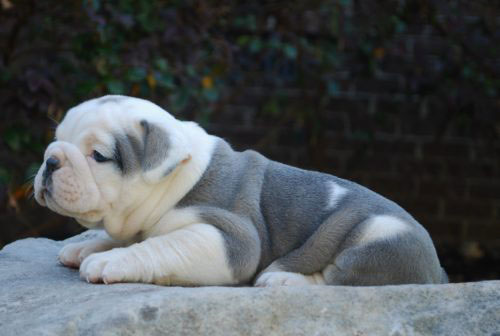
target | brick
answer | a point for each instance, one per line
(234, 115)
(432, 45)
(444, 150)
(334, 122)
(485, 190)
(292, 137)
(448, 229)
(336, 141)
(482, 230)
(482, 168)
(468, 209)
(348, 105)
(391, 186)
(396, 64)
(397, 147)
(239, 135)
(370, 164)
(374, 85)
(416, 167)
(450, 189)
(421, 207)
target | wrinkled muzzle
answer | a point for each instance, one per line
(65, 183)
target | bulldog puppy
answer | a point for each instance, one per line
(180, 207)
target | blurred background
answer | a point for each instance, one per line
(401, 96)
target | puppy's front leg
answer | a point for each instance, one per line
(73, 254)
(192, 255)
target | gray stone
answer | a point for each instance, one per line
(38, 296)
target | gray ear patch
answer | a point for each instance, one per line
(128, 153)
(156, 146)
(131, 154)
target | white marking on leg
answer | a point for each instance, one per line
(269, 279)
(382, 226)
(336, 193)
(193, 255)
(73, 254)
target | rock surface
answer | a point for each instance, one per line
(38, 296)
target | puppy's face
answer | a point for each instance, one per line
(107, 156)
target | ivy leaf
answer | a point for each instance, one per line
(332, 88)
(4, 176)
(115, 87)
(16, 138)
(136, 74)
(211, 94)
(290, 51)
(165, 80)
(161, 64)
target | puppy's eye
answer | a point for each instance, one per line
(98, 157)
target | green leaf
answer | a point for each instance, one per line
(180, 99)
(115, 87)
(271, 108)
(255, 45)
(161, 64)
(165, 80)
(136, 74)
(16, 138)
(290, 51)
(211, 94)
(4, 175)
(333, 88)
(191, 71)
(243, 40)
(32, 170)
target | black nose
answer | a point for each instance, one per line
(52, 164)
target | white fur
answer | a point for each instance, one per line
(269, 279)
(73, 254)
(336, 194)
(382, 227)
(192, 255)
(172, 220)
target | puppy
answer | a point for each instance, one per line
(180, 207)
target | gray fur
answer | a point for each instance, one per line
(128, 153)
(273, 214)
(156, 146)
(132, 154)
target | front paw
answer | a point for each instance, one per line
(109, 267)
(72, 255)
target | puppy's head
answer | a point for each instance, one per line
(108, 153)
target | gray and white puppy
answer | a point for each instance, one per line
(181, 207)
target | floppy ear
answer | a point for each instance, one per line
(163, 151)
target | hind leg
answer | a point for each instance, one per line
(400, 260)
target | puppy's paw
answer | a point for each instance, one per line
(73, 254)
(109, 267)
(269, 279)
